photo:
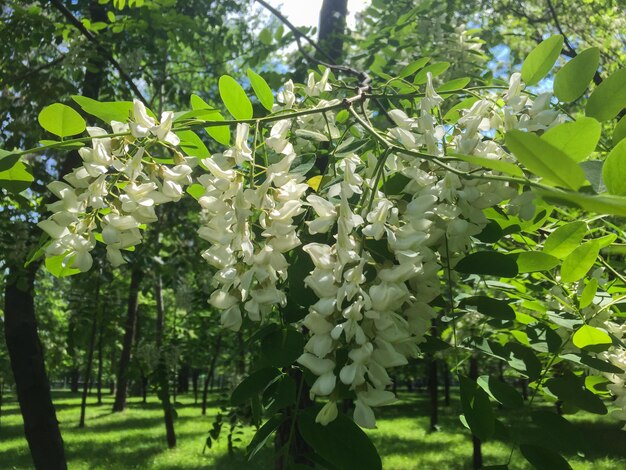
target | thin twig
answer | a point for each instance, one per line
(101, 49)
(329, 63)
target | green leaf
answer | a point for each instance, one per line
(491, 233)
(579, 261)
(588, 335)
(544, 459)
(195, 190)
(534, 261)
(281, 348)
(341, 442)
(192, 145)
(454, 85)
(497, 165)
(265, 36)
(7, 160)
(61, 120)
(435, 69)
(54, 265)
(235, 98)
(280, 394)
(253, 385)
(558, 431)
(413, 67)
(395, 184)
(500, 391)
(571, 390)
(261, 89)
(523, 359)
(589, 293)
(614, 170)
(16, 179)
(619, 132)
(220, 133)
(262, 435)
(576, 139)
(541, 59)
(609, 98)
(488, 262)
(476, 408)
(491, 307)
(573, 79)
(106, 111)
(600, 204)
(545, 160)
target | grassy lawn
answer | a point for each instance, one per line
(135, 439)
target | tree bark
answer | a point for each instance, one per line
(27, 361)
(162, 373)
(129, 338)
(477, 454)
(332, 25)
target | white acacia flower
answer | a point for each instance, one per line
(327, 414)
(240, 152)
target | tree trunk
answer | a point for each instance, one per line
(1, 397)
(31, 382)
(211, 371)
(162, 375)
(100, 360)
(332, 25)
(446, 384)
(477, 455)
(92, 346)
(144, 388)
(195, 376)
(524, 384)
(129, 338)
(433, 392)
(83, 403)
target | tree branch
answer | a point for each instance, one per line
(597, 79)
(101, 49)
(361, 75)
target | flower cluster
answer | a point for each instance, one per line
(385, 224)
(117, 187)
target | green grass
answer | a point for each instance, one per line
(135, 438)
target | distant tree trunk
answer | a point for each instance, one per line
(92, 346)
(144, 387)
(477, 455)
(29, 371)
(163, 376)
(74, 379)
(183, 378)
(1, 397)
(100, 360)
(446, 383)
(210, 372)
(433, 392)
(241, 348)
(129, 338)
(524, 386)
(195, 376)
(332, 26)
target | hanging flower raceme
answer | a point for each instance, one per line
(379, 226)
